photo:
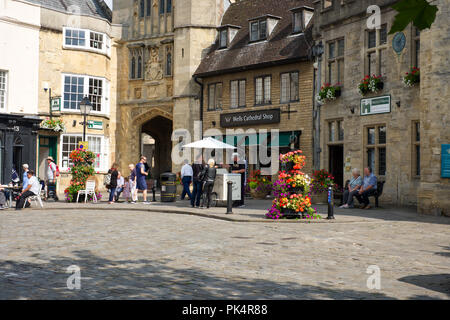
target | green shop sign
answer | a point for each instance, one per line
(376, 105)
(56, 104)
(95, 125)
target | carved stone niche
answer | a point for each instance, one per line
(137, 93)
(153, 67)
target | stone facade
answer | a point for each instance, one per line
(160, 96)
(60, 62)
(294, 118)
(412, 120)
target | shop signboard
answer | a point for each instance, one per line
(445, 161)
(375, 105)
(250, 118)
(95, 125)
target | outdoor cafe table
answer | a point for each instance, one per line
(11, 191)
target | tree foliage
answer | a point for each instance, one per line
(419, 12)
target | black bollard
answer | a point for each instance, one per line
(154, 190)
(330, 203)
(230, 197)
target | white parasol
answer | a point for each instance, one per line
(209, 143)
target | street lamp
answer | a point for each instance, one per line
(85, 109)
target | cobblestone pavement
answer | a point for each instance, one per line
(124, 254)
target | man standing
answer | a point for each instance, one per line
(32, 189)
(239, 167)
(197, 169)
(141, 183)
(51, 170)
(25, 176)
(368, 188)
(186, 178)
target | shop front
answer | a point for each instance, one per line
(18, 139)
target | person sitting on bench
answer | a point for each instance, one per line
(353, 188)
(31, 190)
(368, 188)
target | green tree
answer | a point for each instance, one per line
(419, 12)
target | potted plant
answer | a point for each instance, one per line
(259, 185)
(370, 84)
(411, 78)
(320, 182)
(56, 125)
(81, 170)
(291, 190)
(328, 92)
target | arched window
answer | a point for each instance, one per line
(161, 6)
(139, 71)
(149, 8)
(169, 6)
(133, 68)
(169, 64)
(142, 9)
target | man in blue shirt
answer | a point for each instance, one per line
(25, 176)
(368, 188)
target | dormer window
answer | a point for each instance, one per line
(226, 35)
(223, 38)
(262, 27)
(300, 18)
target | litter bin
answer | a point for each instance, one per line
(168, 187)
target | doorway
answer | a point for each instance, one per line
(336, 163)
(156, 145)
(47, 147)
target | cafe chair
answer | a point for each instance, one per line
(35, 198)
(90, 189)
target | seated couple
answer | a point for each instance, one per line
(361, 188)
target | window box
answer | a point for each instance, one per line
(56, 125)
(329, 93)
(370, 84)
(411, 78)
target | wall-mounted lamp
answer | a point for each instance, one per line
(398, 104)
(74, 123)
(352, 110)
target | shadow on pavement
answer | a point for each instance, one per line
(436, 282)
(144, 279)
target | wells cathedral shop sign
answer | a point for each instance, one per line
(250, 118)
(376, 105)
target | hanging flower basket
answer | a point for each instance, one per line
(370, 84)
(329, 93)
(56, 125)
(412, 77)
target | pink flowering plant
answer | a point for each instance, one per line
(411, 78)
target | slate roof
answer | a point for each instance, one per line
(281, 46)
(95, 8)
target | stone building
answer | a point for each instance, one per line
(160, 48)
(77, 58)
(398, 131)
(258, 76)
(19, 34)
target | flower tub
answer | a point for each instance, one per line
(411, 78)
(370, 84)
(329, 93)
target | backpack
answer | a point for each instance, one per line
(107, 179)
(57, 171)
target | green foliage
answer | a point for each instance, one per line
(419, 12)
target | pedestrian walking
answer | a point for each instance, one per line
(141, 174)
(113, 183)
(186, 178)
(132, 183)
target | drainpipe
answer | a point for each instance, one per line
(318, 51)
(196, 79)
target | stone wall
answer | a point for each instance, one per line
(401, 183)
(300, 117)
(434, 191)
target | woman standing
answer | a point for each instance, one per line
(209, 175)
(113, 184)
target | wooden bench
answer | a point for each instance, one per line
(377, 194)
